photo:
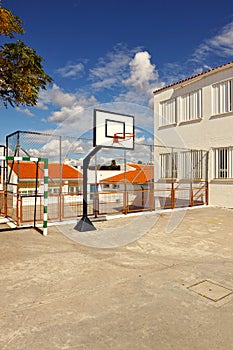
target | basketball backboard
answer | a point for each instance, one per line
(113, 130)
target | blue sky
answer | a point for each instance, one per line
(113, 54)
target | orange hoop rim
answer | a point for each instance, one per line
(123, 136)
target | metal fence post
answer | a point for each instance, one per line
(60, 180)
(125, 199)
(151, 182)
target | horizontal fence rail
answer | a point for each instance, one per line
(152, 185)
(69, 206)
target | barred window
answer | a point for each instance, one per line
(223, 163)
(222, 97)
(191, 164)
(169, 164)
(167, 112)
(191, 106)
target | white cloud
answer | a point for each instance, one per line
(41, 105)
(111, 69)
(224, 41)
(25, 111)
(173, 71)
(74, 117)
(71, 70)
(104, 83)
(210, 53)
(70, 106)
(142, 72)
(221, 44)
(139, 139)
(75, 120)
(129, 71)
(85, 101)
(132, 96)
(143, 79)
(141, 152)
(65, 113)
(57, 97)
(52, 148)
(130, 78)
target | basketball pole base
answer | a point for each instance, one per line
(84, 225)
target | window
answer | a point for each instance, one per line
(222, 163)
(191, 164)
(31, 193)
(54, 190)
(222, 97)
(106, 185)
(168, 163)
(74, 189)
(191, 106)
(26, 192)
(23, 192)
(167, 115)
(197, 164)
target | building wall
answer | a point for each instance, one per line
(210, 131)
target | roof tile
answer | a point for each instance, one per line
(192, 77)
(27, 170)
(141, 174)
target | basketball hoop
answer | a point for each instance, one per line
(122, 136)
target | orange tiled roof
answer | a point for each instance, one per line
(27, 170)
(141, 174)
(194, 76)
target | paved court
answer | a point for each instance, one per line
(169, 289)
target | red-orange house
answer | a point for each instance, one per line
(137, 181)
(138, 175)
(62, 177)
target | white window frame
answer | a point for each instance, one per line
(23, 192)
(222, 97)
(168, 112)
(169, 165)
(191, 164)
(27, 191)
(223, 163)
(74, 189)
(54, 190)
(106, 186)
(191, 106)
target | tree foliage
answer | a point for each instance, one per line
(21, 71)
(9, 23)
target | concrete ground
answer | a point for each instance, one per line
(169, 289)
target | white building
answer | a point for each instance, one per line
(197, 113)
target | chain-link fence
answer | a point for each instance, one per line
(119, 181)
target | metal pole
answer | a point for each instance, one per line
(151, 182)
(45, 216)
(60, 184)
(36, 192)
(85, 223)
(191, 202)
(207, 178)
(95, 196)
(125, 209)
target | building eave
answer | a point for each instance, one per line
(196, 77)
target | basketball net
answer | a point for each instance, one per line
(120, 137)
(115, 139)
